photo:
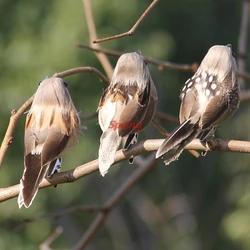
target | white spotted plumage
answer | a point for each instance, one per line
(208, 98)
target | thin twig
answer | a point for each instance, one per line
(78, 70)
(92, 36)
(105, 51)
(46, 244)
(61, 213)
(242, 40)
(160, 64)
(166, 117)
(88, 117)
(244, 75)
(8, 138)
(244, 96)
(113, 200)
(137, 149)
(132, 30)
(160, 128)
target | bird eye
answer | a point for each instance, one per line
(39, 83)
(65, 84)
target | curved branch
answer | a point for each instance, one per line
(137, 149)
(15, 115)
(133, 29)
(161, 64)
(77, 70)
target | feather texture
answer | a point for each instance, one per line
(126, 106)
(208, 98)
(52, 127)
(109, 142)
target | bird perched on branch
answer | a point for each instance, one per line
(52, 127)
(207, 99)
(126, 106)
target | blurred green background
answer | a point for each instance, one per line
(193, 203)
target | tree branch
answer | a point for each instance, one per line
(77, 70)
(137, 149)
(92, 36)
(132, 30)
(61, 213)
(113, 200)
(242, 40)
(160, 64)
(8, 138)
(46, 244)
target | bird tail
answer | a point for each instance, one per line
(175, 143)
(32, 177)
(109, 144)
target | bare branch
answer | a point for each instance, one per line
(132, 30)
(88, 117)
(15, 115)
(113, 200)
(245, 76)
(137, 149)
(242, 40)
(77, 70)
(105, 51)
(160, 128)
(61, 213)
(92, 36)
(161, 64)
(165, 117)
(245, 96)
(46, 244)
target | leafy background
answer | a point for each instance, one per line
(193, 203)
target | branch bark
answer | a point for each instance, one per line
(133, 29)
(8, 138)
(137, 149)
(92, 36)
(77, 70)
(242, 41)
(113, 200)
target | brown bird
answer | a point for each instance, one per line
(210, 97)
(126, 106)
(52, 127)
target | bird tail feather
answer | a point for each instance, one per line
(175, 143)
(109, 144)
(29, 184)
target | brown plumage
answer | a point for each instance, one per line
(208, 98)
(52, 127)
(126, 106)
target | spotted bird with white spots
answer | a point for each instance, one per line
(210, 97)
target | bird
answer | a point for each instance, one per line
(208, 98)
(52, 127)
(126, 106)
